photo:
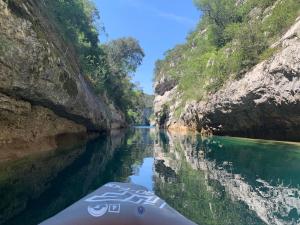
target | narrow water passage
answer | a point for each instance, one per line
(217, 180)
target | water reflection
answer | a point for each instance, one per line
(214, 180)
(40, 185)
(229, 181)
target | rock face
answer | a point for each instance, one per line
(265, 103)
(163, 85)
(165, 101)
(40, 78)
(22, 121)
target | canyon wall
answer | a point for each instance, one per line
(264, 103)
(42, 90)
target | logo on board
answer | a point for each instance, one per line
(110, 202)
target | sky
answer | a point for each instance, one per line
(159, 25)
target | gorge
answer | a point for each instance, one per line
(218, 140)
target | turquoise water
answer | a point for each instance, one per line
(216, 180)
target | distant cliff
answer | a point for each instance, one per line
(209, 94)
(42, 91)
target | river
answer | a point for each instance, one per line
(213, 180)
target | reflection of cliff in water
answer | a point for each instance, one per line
(215, 180)
(35, 187)
(238, 180)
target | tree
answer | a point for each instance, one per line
(124, 55)
(220, 13)
(109, 67)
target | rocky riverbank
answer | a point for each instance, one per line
(264, 103)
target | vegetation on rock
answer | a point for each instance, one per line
(109, 67)
(229, 40)
(143, 113)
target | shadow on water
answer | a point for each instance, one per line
(38, 186)
(215, 180)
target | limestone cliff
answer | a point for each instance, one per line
(42, 91)
(166, 94)
(265, 103)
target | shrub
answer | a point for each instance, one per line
(226, 43)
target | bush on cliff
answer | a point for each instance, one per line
(108, 67)
(231, 37)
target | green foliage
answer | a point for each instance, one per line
(124, 56)
(282, 17)
(220, 13)
(178, 111)
(108, 67)
(4, 45)
(251, 43)
(143, 111)
(228, 41)
(148, 100)
(268, 53)
(76, 20)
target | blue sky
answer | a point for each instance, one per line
(158, 25)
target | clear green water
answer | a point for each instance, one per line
(218, 180)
